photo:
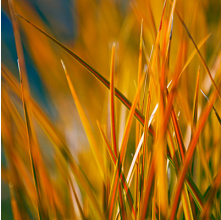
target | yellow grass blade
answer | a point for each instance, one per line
(200, 44)
(77, 200)
(86, 126)
(87, 188)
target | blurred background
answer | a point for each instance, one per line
(89, 28)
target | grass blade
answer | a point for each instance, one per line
(113, 130)
(196, 99)
(29, 128)
(30, 146)
(129, 175)
(138, 124)
(57, 141)
(86, 125)
(215, 186)
(112, 109)
(216, 113)
(123, 179)
(123, 148)
(110, 151)
(148, 189)
(201, 57)
(190, 152)
(200, 44)
(103, 80)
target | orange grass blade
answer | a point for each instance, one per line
(160, 144)
(137, 123)
(18, 44)
(86, 125)
(189, 154)
(200, 44)
(24, 79)
(169, 30)
(113, 130)
(112, 109)
(201, 57)
(196, 99)
(30, 146)
(110, 151)
(145, 148)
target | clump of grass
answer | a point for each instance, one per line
(158, 160)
